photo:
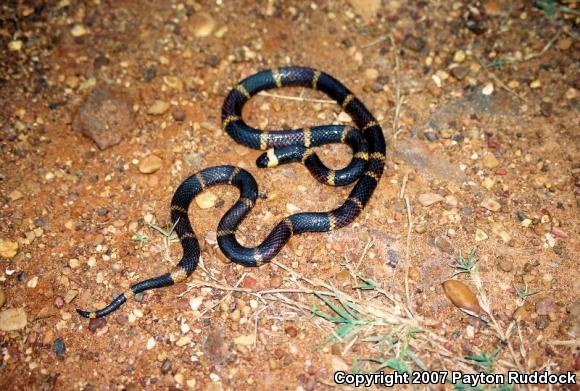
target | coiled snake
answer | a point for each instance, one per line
(284, 146)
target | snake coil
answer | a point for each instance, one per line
(283, 146)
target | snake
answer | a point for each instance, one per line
(280, 147)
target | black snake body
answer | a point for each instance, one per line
(284, 146)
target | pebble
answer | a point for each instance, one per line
(542, 322)
(183, 341)
(480, 235)
(366, 8)
(15, 46)
(535, 84)
(491, 204)
(206, 200)
(97, 323)
(2, 297)
(451, 201)
(459, 56)
(413, 43)
(8, 249)
(371, 74)
(546, 306)
(74, 263)
(178, 114)
(202, 24)
(150, 343)
(13, 319)
(487, 89)
(490, 161)
(58, 347)
(33, 282)
(291, 208)
(459, 72)
(245, 340)
(505, 264)
(78, 30)
(444, 245)
(150, 164)
(431, 136)
(195, 303)
(166, 366)
(139, 297)
(58, 302)
(158, 107)
(105, 116)
(15, 195)
(428, 199)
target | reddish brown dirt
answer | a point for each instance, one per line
(75, 210)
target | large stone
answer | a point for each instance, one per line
(106, 116)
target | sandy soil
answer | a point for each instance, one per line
(478, 101)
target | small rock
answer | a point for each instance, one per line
(97, 323)
(105, 116)
(505, 264)
(542, 322)
(8, 249)
(480, 235)
(201, 24)
(206, 200)
(371, 74)
(70, 296)
(58, 302)
(15, 46)
(291, 331)
(2, 297)
(245, 340)
(487, 89)
(13, 319)
(459, 56)
(459, 72)
(166, 366)
(451, 201)
(444, 245)
(178, 114)
(490, 161)
(58, 347)
(122, 320)
(428, 199)
(150, 343)
(431, 136)
(546, 109)
(195, 303)
(546, 306)
(565, 43)
(15, 195)
(491, 204)
(78, 30)
(74, 263)
(535, 84)
(158, 107)
(150, 164)
(183, 341)
(413, 43)
(139, 297)
(366, 8)
(33, 282)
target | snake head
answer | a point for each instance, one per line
(267, 159)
